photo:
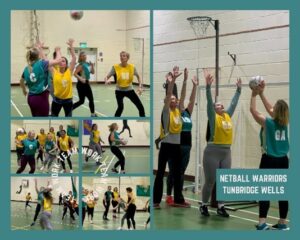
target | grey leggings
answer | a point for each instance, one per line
(45, 221)
(48, 160)
(214, 157)
(96, 147)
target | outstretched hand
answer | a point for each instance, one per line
(195, 81)
(70, 42)
(176, 72)
(208, 77)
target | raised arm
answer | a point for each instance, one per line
(235, 98)
(40, 46)
(193, 95)
(267, 104)
(171, 78)
(183, 90)
(210, 104)
(73, 56)
(259, 118)
(35, 185)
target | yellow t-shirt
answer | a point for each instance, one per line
(223, 129)
(47, 205)
(96, 136)
(124, 75)
(28, 197)
(64, 143)
(175, 124)
(62, 84)
(115, 196)
(42, 138)
(20, 138)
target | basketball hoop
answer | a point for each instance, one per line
(199, 25)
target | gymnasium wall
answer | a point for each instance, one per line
(138, 26)
(140, 131)
(260, 39)
(37, 125)
(100, 186)
(60, 185)
(103, 30)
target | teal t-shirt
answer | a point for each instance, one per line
(49, 145)
(117, 139)
(186, 121)
(86, 70)
(30, 146)
(40, 197)
(37, 79)
(274, 139)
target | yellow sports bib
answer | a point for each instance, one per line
(223, 129)
(62, 84)
(96, 136)
(64, 143)
(20, 138)
(175, 124)
(47, 205)
(115, 196)
(124, 75)
(42, 139)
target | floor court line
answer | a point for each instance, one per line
(14, 105)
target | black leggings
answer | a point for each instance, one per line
(37, 211)
(114, 203)
(90, 212)
(20, 152)
(121, 159)
(56, 107)
(66, 207)
(133, 97)
(83, 214)
(84, 90)
(268, 162)
(107, 205)
(62, 160)
(130, 215)
(40, 156)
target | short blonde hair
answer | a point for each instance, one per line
(281, 112)
(127, 54)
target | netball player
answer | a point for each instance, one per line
(28, 199)
(20, 136)
(83, 73)
(40, 195)
(41, 137)
(185, 135)
(106, 202)
(62, 83)
(275, 148)
(114, 141)
(217, 153)
(35, 77)
(50, 152)
(65, 143)
(46, 214)
(95, 141)
(30, 147)
(115, 201)
(125, 73)
(126, 126)
(170, 148)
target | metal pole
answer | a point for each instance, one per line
(217, 59)
(143, 59)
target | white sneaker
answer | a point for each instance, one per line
(120, 228)
(71, 171)
(91, 221)
(42, 168)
